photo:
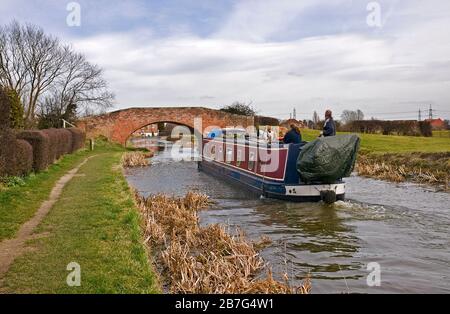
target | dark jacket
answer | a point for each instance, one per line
(292, 137)
(329, 128)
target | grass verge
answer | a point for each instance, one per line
(96, 224)
(19, 202)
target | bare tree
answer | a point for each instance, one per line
(80, 84)
(349, 116)
(45, 60)
(47, 74)
(13, 72)
(359, 115)
(315, 118)
(30, 62)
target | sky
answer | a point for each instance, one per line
(387, 58)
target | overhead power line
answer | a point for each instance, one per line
(383, 113)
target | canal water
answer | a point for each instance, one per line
(404, 228)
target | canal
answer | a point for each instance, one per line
(404, 228)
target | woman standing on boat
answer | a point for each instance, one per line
(293, 136)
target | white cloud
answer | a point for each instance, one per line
(405, 63)
(257, 20)
(340, 70)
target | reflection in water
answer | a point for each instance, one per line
(404, 228)
(306, 232)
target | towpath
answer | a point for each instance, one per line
(10, 249)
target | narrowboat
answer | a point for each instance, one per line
(270, 170)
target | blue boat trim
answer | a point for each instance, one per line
(271, 188)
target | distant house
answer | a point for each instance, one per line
(436, 124)
(148, 131)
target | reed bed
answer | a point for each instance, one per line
(425, 168)
(210, 259)
(135, 159)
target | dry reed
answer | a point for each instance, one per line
(398, 168)
(208, 259)
(135, 159)
(263, 242)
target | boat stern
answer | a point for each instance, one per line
(329, 193)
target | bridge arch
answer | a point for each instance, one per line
(118, 126)
(171, 122)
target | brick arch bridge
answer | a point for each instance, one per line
(118, 126)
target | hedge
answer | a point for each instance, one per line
(407, 127)
(40, 143)
(24, 158)
(7, 152)
(425, 128)
(65, 142)
(7, 138)
(53, 144)
(35, 150)
(78, 139)
(61, 143)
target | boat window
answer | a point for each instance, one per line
(229, 156)
(251, 161)
(239, 157)
(220, 155)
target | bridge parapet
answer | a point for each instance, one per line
(118, 126)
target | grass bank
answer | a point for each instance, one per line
(95, 223)
(403, 158)
(444, 133)
(21, 197)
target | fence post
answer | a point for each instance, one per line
(67, 122)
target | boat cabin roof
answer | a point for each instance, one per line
(226, 131)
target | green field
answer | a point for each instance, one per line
(445, 133)
(95, 223)
(376, 143)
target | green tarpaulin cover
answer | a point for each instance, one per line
(328, 159)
